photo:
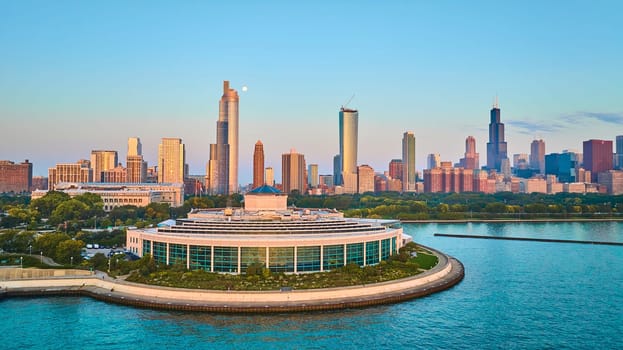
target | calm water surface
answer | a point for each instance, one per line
(515, 295)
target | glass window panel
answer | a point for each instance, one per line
(333, 256)
(281, 259)
(308, 259)
(226, 259)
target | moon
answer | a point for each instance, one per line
(244, 88)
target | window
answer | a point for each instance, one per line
(372, 252)
(226, 259)
(385, 249)
(250, 255)
(160, 252)
(281, 259)
(177, 254)
(200, 257)
(308, 259)
(354, 253)
(333, 256)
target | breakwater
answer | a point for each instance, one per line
(528, 239)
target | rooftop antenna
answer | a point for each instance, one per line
(347, 102)
(496, 104)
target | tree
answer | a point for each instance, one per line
(46, 204)
(69, 249)
(47, 243)
(71, 209)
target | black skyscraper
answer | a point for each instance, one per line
(496, 147)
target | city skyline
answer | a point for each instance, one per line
(94, 83)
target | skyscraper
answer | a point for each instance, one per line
(619, 152)
(269, 176)
(349, 121)
(337, 165)
(258, 164)
(471, 160)
(136, 166)
(101, 161)
(134, 146)
(537, 155)
(395, 169)
(312, 175)
(75, 172)
(597, 157)
(496, 147)
(293, 172)
(408, 162)
(365, 179)
(433, 161)
(15, 178)
(171, 161)
(222, 171)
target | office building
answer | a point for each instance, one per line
(618, 157)
(409, 176)
(365, 179)
(562, 165)
(293, 172)
(337, 175)
(15, 178)
(312, 175)
(326, 181)
(136, 167)
(269, 176)
(73, 172)
(102, 160)
(471, 158)
(222, 169)
(537, 155)
(612, 180)
(597, 157)
(258, 165)
(171, 161)
(395, 169)
(433, 161)
(348, 127)
(496, 147)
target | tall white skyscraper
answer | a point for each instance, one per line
(349, 121)
(408, 162)
(222, 171)
(171, 161)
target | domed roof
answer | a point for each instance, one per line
(265, 189)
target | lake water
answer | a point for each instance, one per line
(515, 294)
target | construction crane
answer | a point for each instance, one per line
(344, 106)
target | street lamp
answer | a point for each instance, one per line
(30, 249)
(42, 257)
(72, 261)
(21, 262)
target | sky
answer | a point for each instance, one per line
(76, 76)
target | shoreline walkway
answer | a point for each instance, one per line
(448, 272)
(551, 240)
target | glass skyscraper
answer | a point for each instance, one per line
(496, 147)
(408, 162)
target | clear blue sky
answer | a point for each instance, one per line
(83, 75)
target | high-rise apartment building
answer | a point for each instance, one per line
(222, 170)
(537, 155)
(618, 157)
(293, 172)
(433, 161)
(470, 161)
(312, 175)
(171, 161)
(269, 176)
(395, 169)
(102, 160)
(348, 125)
(496, 147)
(258, 165)
(409, 176)
(75, 172)
(136, 167)
(597, 157)
(365, 179)
(116, 175)
(15, 178)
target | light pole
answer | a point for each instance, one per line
(21, 262)
(42, 257)
(72, 261)
(30, 249)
